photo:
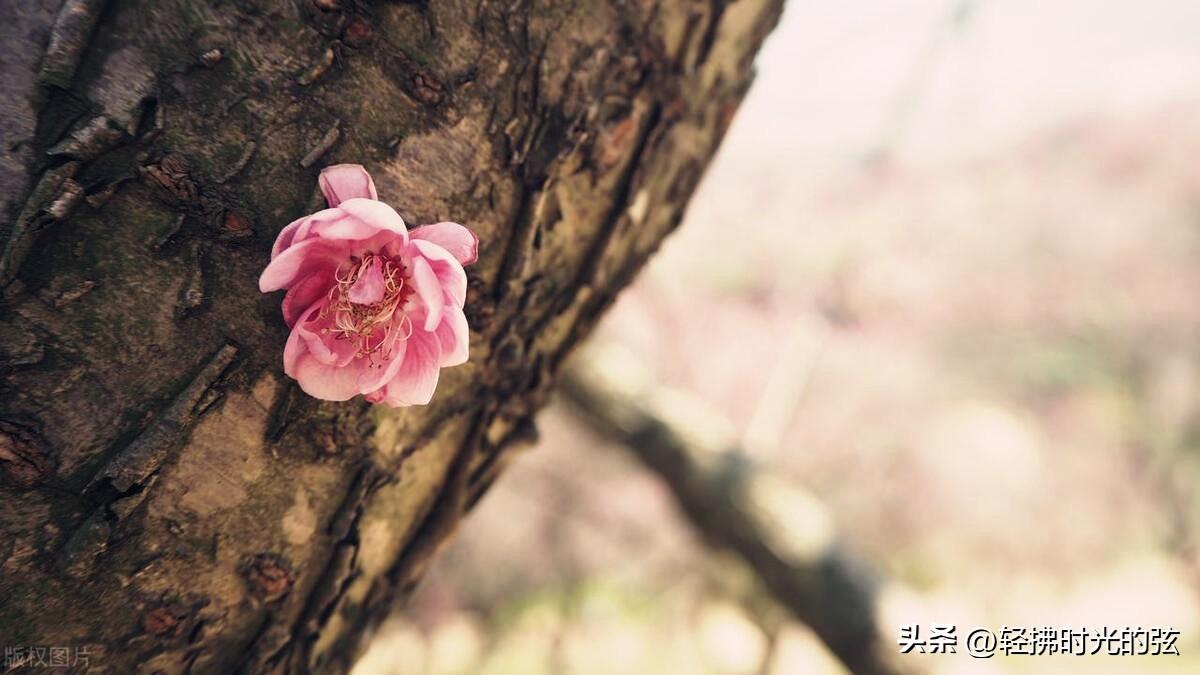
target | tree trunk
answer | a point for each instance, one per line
(169, 501)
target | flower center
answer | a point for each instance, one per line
(369, 294)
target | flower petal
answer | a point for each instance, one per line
(353, 220)
(324, 346)
(305, 225)
(367, 217)
(429, 289)
(377, 375)
(454, 336)
(418, 376)
(458, 240)
(450, 273)
(304, 293)
(307, 348)
(287, 236)
(346, 181)
(369, 288)
(293, 349)
(323, 381)
(296, 263)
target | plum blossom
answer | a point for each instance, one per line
(374, 309)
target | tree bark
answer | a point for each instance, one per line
(169, 501)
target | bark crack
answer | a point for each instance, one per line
(124, 483)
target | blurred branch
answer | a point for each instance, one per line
(780, 531)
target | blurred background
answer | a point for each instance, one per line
(942, 278)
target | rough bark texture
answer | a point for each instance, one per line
(168, 501)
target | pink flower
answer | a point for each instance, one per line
(374, 309)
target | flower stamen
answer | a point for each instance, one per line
(359, 321)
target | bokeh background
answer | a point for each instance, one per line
(943, 275)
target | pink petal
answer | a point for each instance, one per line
(449, 272)
(418, 376)
(329, 368)
(454, 337)
(302, 295)
(332, 383)
(369, 288)
(323, 381)
(300, 229)
(429, 289)
(366, 218)
(376, 376)
(286, 236)
(296, 263)
(346, 181)
(293, 349)
(458, 240)
(305, 225)
(324, 347)
(354, 220)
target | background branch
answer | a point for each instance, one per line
(780, 531)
